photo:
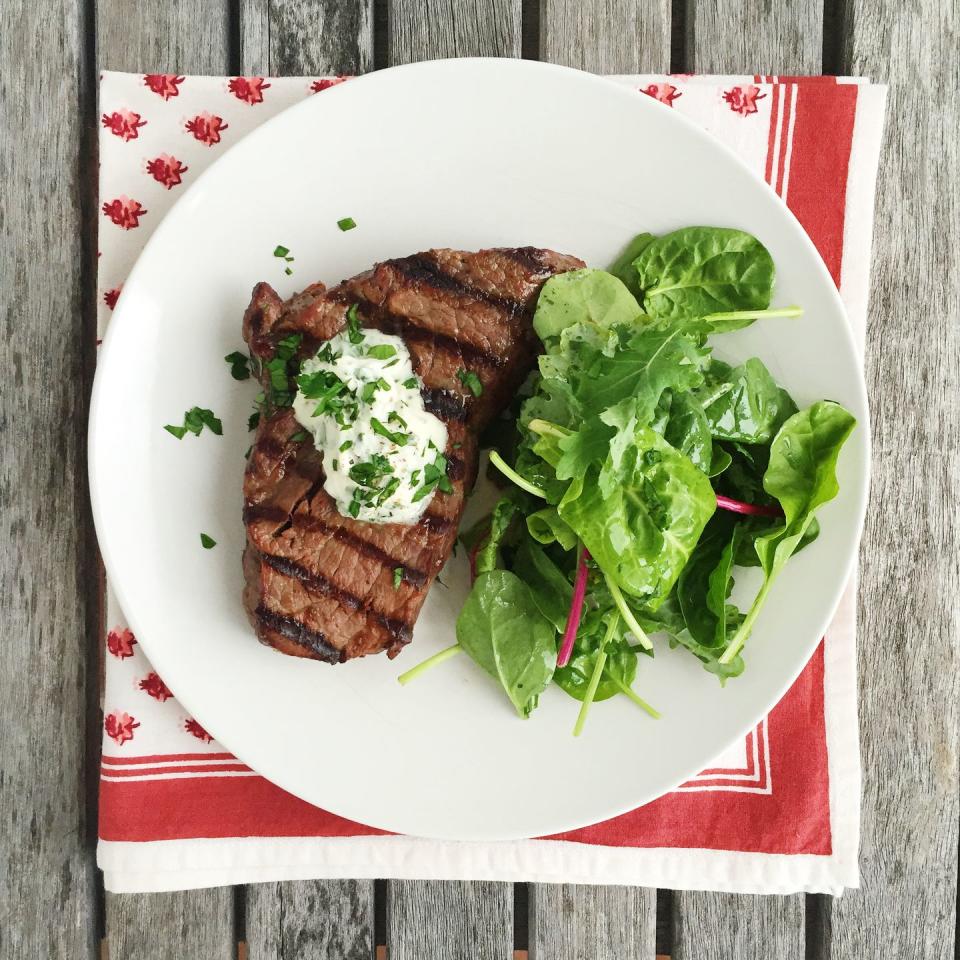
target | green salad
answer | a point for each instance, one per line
(643, 471)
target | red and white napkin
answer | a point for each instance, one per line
(776, 813)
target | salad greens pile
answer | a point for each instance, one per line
(645, 472)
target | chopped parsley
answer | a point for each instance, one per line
(207, 541)
(471, 381)
(382, 351)
(194, 420)
(281, 367)
(354, 333)
(371, 387)
(400, 439)
(397, 577)
(347, 223)
(298, 436)
(346, 445)
(239, 365)
(281, 251)
(395, 417)
(334, 397)
(434, 476)
(411, 383)
(253, 420)
(288, 271)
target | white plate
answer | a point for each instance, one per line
(468, 154)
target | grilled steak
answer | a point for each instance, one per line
(319, 584)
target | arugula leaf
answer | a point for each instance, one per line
(504, 632)
(744, 403)
(582, 296)
(641, 526)
(623, 269)
(802, 475)
(704, 270)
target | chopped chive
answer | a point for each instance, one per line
(397, 577)
(392, 363)
(347, 223)
(471, 381)
(346, 445)
(336, 465)
(280, 251)
(207, 541)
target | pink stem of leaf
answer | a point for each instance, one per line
(576, 611)
(751, 509)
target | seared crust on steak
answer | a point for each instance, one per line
(319, 584)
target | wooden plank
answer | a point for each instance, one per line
(747, 36)
(573, 922)
(435, 920)
(157, 926)
(754, 36)
(310, 920)
(580, 922)
(47, 879)
(722, 926)
(616, 36)
(306, 37)
(909, 693)
(188, 37)
(453, 28)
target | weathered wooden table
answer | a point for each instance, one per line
(51, 901)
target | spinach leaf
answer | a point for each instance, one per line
(744, 404)
(504, 632)
(703, 270)
(623, 267)
(546, 527)
(488, 557)
(643, 521)
(619, 670)
(685, 428)
(550, 589)
(582, 296)
(706, 583)
(802, 475)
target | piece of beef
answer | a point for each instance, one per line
(319, 584)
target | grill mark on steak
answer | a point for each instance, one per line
(423, 270)
(530, 258)
(298, 632)
(317, 583)
(445, 404)
(389, 321)
(304, 521)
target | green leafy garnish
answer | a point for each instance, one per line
(400, 439)
(207, 541)
(397, 577)
(239, 365)
(347, 223)
(411, 383)
(471, 381)
(298, 436)
(281, 251)
(354, 333)
(382, 351)
(194, 420)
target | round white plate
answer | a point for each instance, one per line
(467, 154)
